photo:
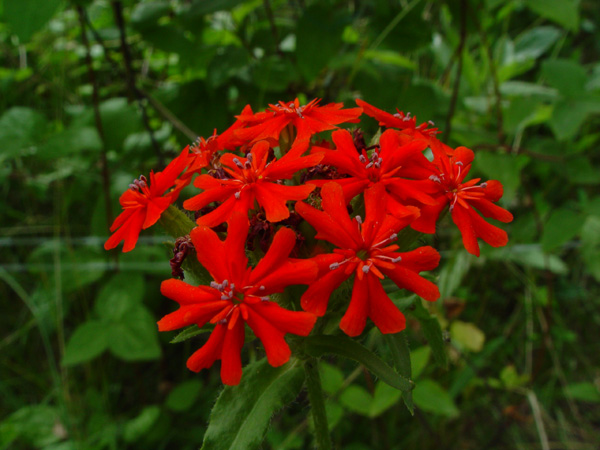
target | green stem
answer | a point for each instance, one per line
(176, 222)
(317, 403)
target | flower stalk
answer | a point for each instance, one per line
(317, 404)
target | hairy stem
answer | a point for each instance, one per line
(317, 403)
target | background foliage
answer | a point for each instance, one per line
(93, 93)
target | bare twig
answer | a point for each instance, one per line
(97, 117)
(130, 79)
(493, 73)
(271, 19)
(537, 415)
(459, 54)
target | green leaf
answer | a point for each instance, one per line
(419, 359)
(590, 248)
(562, 226)
(122, 292)
(431, 397)
(200, 7)
(535, 42)
(565, 75)
(71, 141)
(136, 337)
(189, 333)
(183, 396)
(20, 129)
(563, 12)
(25, 17)
(453, 272)
(242, 413)
(529, 256)
(585, 392)
(332, 378)
(385, 397)
(357, 399)
(318, 39)
(569, 114)
(138, 427)
(119, 120)
(433, 333)
(145, 15)
(88, 341)
(343, 346)
(467, 335)
(398, 345)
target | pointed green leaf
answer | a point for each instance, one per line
(433, 333)
(189, 333)
(401, 356)
(343, 346)
(242, 413)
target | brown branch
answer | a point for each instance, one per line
(459, 55)
(130, 78)
(97, 117)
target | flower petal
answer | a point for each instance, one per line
(354, 320)
(231, 362)
(209, 352)
(385, 315)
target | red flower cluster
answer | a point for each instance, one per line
(257, 168)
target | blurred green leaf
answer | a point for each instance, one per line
(357, 399)
(529, 256)
(384, 398)
(590, 245)
(562, 226)
(34, 427)
(183, 396)
(210, 6)
(20, 129)
(584, 391)
(138, 427)
(467, 335)
(419, 359)
(432, 332)
(25, 17)
(318, 39)
(87, 341)
(433, 398)
(242, 413)
(565, 75)
(121, 293)
(332, 378)
(145, 15)
(135, 338)
(535, 42)
(562, 12)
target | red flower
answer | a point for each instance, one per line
(399, 120)
(308, 120)
(396, 159)
(144, 202)
(462, 197)
(239, 295)
(204, 151)
(364, 249)
(253, 179)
